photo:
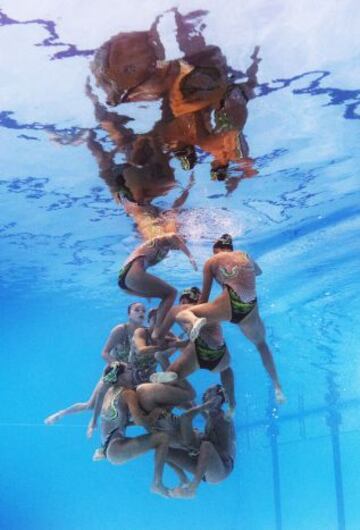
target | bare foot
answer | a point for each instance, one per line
(197, 327)
(160, 490)
(53, 418)
(99, 455)
(182, 493)
(163, 377)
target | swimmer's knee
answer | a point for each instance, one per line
(142, 391)
(173, 293)
(114, 455)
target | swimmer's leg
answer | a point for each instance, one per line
(149, 286)
(209, 465)
(154, 395)
(73, 409)
(254, 330)
(217, 311)
(101, 388)
(120, 451)
(183, 479)
(186, 363)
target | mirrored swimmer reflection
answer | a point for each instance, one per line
(203, 105)
(144, 176)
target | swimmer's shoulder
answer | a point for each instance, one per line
(118, 330)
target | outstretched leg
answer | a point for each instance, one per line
(73, 409)
(254, 330)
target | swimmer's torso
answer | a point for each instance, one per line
(221, 433)
(142, 365)
(114, 412)
(120, 339)
(237, 270)
(152, 251)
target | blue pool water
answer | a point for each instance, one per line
(63, 238)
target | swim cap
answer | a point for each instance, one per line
(191, 293)
(225, 241)
(113, 371)
(219, 173)
(187, 157)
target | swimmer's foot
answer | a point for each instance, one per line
(280, 396)
(53, 418)
(197, 327)
(99, 455)
(163, 377)
(186, 492)
(159, 489)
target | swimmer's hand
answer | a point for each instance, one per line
(193, 263)
(177, 344)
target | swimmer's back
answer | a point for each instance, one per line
(238, 271)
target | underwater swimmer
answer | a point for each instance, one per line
(208, 352)
(134, 278)
(118, 448)
(214, 460)
(236, 272)
(116, 348)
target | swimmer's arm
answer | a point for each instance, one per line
(179, 243)
(258, 270)
(251, 72)
(116, 336)
(139, 341)
(138, 415)
(207, 282)
(186, 424)
(175, 343)
(180, 201)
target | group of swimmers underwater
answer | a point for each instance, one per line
(203, 107)
(132, 391)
